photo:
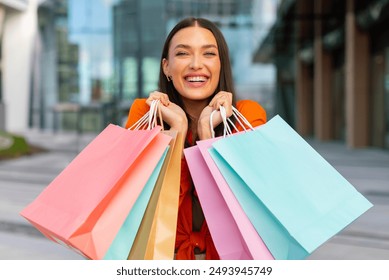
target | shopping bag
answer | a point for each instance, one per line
(121, 245)
(78, 208)
(161, 242)
(229, 246)
(138, 248)
(246, 231)
(221, 209)
(293, 196)
(147, 243)
(121, 204)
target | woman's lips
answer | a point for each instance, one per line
(196, 78)
(196, 81)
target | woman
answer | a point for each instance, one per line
(195, 79)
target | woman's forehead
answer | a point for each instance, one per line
(194, 36)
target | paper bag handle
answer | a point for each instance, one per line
(149, 120)
(228, 123)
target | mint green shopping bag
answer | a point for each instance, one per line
(124, 239)
(274, 235)
(295, 199)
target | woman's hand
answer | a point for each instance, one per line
(172, 114)
(222, 98)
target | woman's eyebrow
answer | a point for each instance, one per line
(209, 46)
(184, 46)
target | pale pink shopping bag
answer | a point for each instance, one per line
(80, 207)
(228, 241)
(256, 247)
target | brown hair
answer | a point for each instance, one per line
(225, 82)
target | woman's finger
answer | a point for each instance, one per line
(224, 99)
(156, 95)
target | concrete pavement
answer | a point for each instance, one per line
(22, 179)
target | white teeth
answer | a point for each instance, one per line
(196, 79)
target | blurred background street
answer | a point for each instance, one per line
(70, 67)
(24, 178)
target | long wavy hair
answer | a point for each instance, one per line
(226, 82)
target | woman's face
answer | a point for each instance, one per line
(193, 63)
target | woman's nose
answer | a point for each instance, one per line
(196, 62)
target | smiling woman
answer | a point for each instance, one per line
(195, 79)
(193, 63)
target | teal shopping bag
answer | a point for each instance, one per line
(294, 197)
(281, 244)
(125, 237)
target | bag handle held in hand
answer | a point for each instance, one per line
(149, 120)
(228, 123)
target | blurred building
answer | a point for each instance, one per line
(55, 78)
(17, 28)
(332, 60)
(38, 64)
(139, 31)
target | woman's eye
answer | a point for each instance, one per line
(181, 53)
(210, 54)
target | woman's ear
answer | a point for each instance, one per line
(165, 64)
(165, 68)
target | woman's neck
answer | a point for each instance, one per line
(194, 108)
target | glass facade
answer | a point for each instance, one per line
(138, 37)
(338, 82)
(105, 53)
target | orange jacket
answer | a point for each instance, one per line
(186, 239)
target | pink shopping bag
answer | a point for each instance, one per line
(85, 205)
(256, 248)
(228, 240)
